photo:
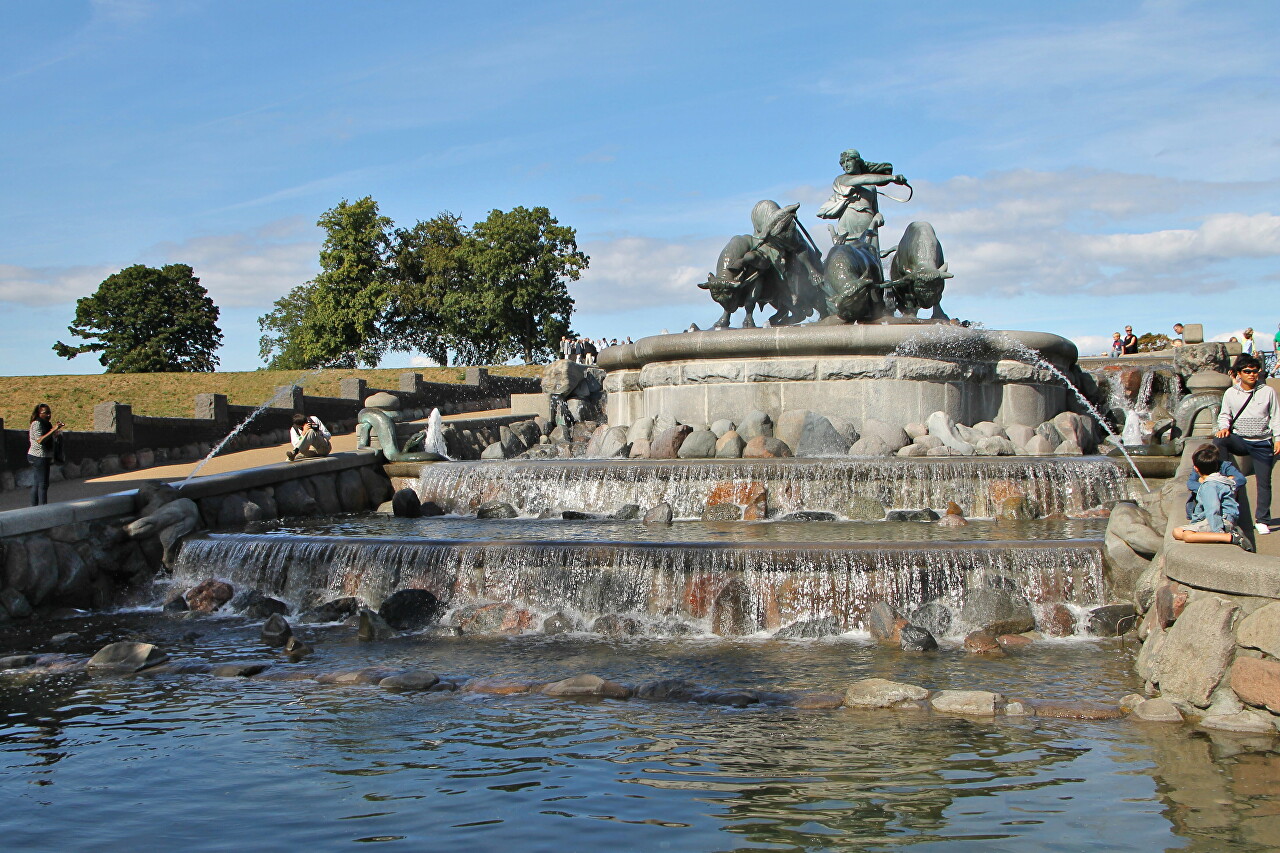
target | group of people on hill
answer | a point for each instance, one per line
(585, 350)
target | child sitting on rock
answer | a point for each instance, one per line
(1212, 507)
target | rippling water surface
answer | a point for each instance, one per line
(195, 762)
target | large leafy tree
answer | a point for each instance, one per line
(521, 262)
(148, 320)
(427, 274)
(335, 319)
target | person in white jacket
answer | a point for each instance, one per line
(1249, 425)
(309, 437)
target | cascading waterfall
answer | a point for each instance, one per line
(978, 486)
(671, 588)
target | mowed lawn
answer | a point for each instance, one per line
(173, 394)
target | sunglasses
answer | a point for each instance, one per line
(1250, 370)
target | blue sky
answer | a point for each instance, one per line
(1086, 165)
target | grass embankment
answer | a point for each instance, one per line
(173, 394)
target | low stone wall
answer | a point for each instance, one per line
(1210, 626)
(123, 441)
(78, 553)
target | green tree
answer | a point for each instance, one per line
(426, 272)
(334, 320)
(1153, 342)
(148, 320)
(520, 263)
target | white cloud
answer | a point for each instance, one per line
(247, 269)
(641, 272)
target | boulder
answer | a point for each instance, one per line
(641, 430)
(373, 627)
(809, 515)
(666, 444)
(126, 657)
(1050, 433)
(369, 675)
(1197, 650)
(809, 629)
(995, 445)
(409, 609)
(870, 445)
(1261, 630)
(382, 400)
(209, 596)
(617, 625)
(912, 450)
(1112, 620)
(660, 514)
(864, 509)
(1038, 445)
(755, 424)
(884, 623)
(496, 509)
(729, 446)
(723, 426)
(880, 693)
(494, 450)
(997, 611)
(614, 443)
(915, 430)
(597, 436)
(983, 643)
(928, 442)
(255, 605)
(699, 444)
(1121, 565)
(558, 623)
(942, 427)
(731, 611)
(933, 616)
(763, 447)
(1157, 710)
(973, 703)
(562, 377)
(1244, 722)
(1134, 527)
(529, 432)
(1015, 508)
(1019, 434)
(501, 617)
(1078, 429)
(335, 610)
(1068, 448)
(626, 512)
(1057, 621)
(276, 631)
(410, 682)
(925, 514)
(809, 434)
(669, 690)
(586, 687)
(721, 512)
(913, 639)
(238, 670)
(1257, 682)
(894, 437)
(639, 449)
(753, 497)
(294, 500)
(990, 429)
(406, 504)
(14, 604)
(296, 649)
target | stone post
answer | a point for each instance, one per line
(213, 407)
(115, 418)
(478, 376)
(353, 388)
(290, 397)
(409, 382)
(1193, 333)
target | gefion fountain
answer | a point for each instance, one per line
(814, 470)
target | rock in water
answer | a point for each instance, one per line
(126, 657)
(915, 639)
(406, 504)
(660, 514)
(373, 627)
(276, 632)
(409, 609)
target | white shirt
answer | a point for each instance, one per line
(295, 434)
(1258, 421)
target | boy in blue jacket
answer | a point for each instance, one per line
(1212, 507)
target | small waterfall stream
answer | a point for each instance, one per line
(1055, 485)
(670, 588)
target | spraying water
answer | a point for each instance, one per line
(959, 344)
(281, 392)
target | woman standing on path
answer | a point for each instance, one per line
(42, 435)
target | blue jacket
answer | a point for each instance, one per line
(1193, 482)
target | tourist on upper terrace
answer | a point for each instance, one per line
(42, 436)
(1117, 346)
(1249, 425)
(1212, 509)
(1129, 342)
(1249, 346)
(310, 438)
(1177, 331)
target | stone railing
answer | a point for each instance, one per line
(121, 440)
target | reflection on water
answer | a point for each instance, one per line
(206, 763)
